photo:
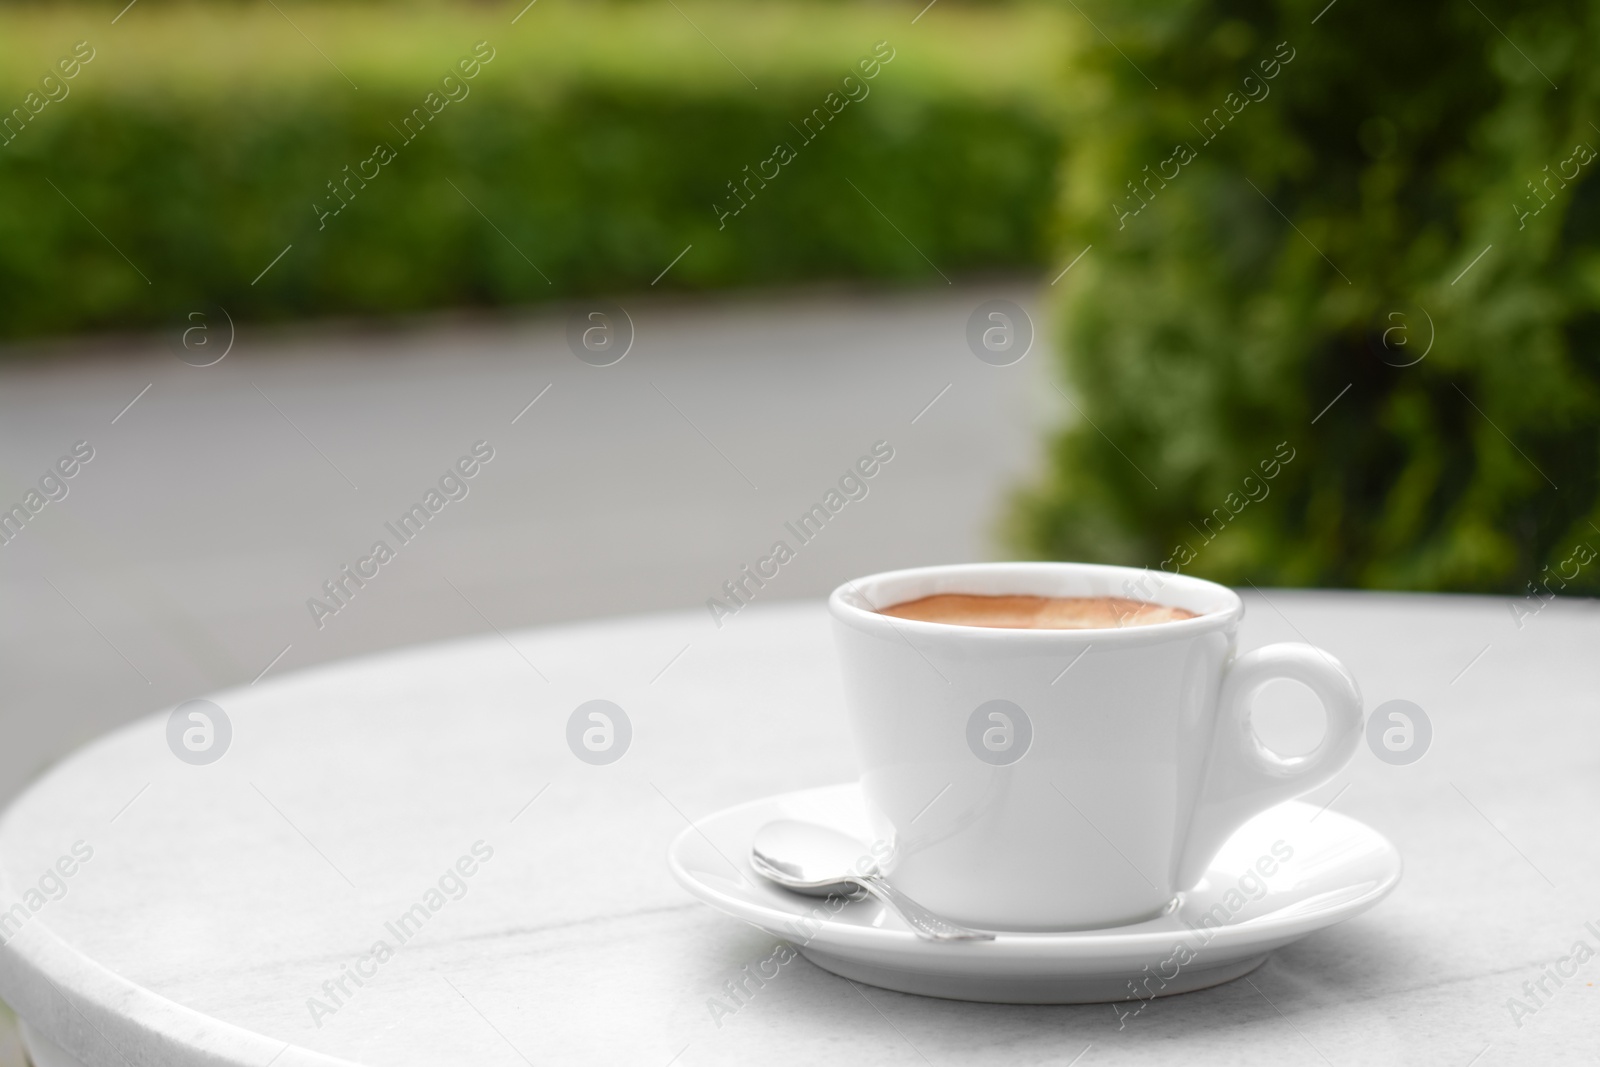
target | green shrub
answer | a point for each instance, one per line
(585, 156)
(1317, 243)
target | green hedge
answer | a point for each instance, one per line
(594, 143)
(1214, 323)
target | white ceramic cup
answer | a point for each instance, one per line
(1067, 779)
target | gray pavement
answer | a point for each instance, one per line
(183, 554)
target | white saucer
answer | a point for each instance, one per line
(1336, 868)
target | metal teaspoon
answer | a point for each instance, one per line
(819, 861)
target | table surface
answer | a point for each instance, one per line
(219, 899)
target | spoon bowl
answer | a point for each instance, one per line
(809, 858)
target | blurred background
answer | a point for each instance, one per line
(279, 266)
(1283, 297)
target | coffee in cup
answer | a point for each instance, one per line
(1036, 612)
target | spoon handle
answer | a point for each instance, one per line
(924, 922)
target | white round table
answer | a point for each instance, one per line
(427, 801)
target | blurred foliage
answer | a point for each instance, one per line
(1368, 269)
(587, 154)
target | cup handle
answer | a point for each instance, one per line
(1244, 777)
